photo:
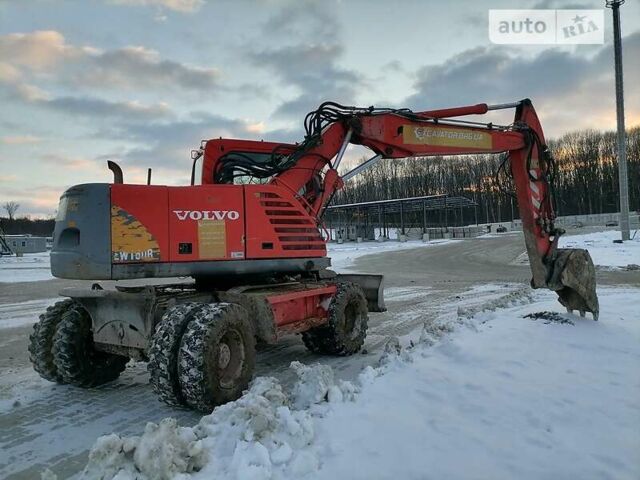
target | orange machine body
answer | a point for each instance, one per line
(155, 224)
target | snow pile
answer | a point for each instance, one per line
(317, 384)
(515, 397)
(393, 353)
(603, 251)
(32, 267)
(432, 332)
(163, 451)
(264, 434)
(520, 296)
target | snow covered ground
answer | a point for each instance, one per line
(343, 255)
(32, 267)
(506, 390)
(605, 254)
(23, 313)
(603, 251)
(498, 235)
(509, 397)
(482, 393)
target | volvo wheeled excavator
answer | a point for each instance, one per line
(248, 231)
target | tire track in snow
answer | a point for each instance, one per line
(23, 313)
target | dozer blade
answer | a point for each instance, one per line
(574, 280)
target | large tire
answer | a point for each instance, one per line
(217, 356)
(346, 326)
(163, 352)
(76, 359)
(41, 341)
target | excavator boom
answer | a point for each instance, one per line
(401, 133)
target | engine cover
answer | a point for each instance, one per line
(121, 231)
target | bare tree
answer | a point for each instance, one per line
(11, 208)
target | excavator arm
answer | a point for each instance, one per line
(310, 171)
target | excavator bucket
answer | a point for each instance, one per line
(574, 280)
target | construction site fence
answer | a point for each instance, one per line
(455, 232)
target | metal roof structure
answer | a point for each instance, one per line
(410, 204)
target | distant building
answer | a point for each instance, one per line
(26, 243)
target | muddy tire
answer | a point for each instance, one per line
(346, 327)
(163, 352)
(217, 356)
(74, 355)
(41, 341)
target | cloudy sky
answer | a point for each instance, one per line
(143, 81)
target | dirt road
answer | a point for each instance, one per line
(45, 425)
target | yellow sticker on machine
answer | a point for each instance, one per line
(446, 137)
(130, 240)
(212, 239)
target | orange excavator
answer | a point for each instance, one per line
(249, 232)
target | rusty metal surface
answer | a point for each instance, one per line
(300, 326)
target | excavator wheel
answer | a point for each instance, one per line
(74, 355)
(217, 356)
(41, 341)
(163, 352)
(346, 327)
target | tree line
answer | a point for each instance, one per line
(586, 179)
(27, 226)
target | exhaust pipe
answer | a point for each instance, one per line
(117, 171)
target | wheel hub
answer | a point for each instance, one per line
(224, 356)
